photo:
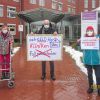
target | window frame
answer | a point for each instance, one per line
(12, 32)
(54, 6)
(42, 2)
(86, 4)
(1, 25)
(16, 0)
(2, 10)
(93, 3)
(60, 4)
(9, 11)
(32, 2)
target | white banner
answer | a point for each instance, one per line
(89, 30)
(44, 47)
(90, 43)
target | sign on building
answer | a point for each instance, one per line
(44, 47)
(89, 30)
(20, 28)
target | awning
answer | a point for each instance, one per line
(41, 14)
(97, 9)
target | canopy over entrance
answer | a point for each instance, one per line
(39, 14)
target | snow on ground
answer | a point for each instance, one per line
(76, 55)
(15, 51)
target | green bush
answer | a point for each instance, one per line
(74, 45)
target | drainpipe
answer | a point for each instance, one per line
(28, 28)
(21, 23)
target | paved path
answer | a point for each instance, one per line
(70, 84)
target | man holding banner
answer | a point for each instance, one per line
(47, 29)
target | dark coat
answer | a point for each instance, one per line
(43, 30)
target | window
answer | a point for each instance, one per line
(69, 10)
(12, 28)
(1, 11)
(76, 29)
(72, 1)
(69, 1)
(33, 1)
(16, 0)
(42, 2)
(1, 24)
(60, 6)
(73, 10)
(93, 3)
(54, 4)
(85, 3)
(11, 12)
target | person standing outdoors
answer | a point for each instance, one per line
(91, 60)
(6, 41)
(47, 28)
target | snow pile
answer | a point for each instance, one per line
(15, 51)
(77, 55)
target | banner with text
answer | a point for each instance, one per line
(89, 30)
(44, 47)
(90, 43)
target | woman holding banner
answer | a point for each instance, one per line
(91, 60)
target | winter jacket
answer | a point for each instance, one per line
(43, 30)
(91, 57)
(5, 43)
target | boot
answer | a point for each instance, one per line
(90, 90)
(43, 77)
(98, 87)
(98, 92)
(53, 77)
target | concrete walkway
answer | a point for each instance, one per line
(70, 84)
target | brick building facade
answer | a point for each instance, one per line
(8, 8)
(86, 5)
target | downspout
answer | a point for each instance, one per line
(21, 23)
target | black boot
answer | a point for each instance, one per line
(52, 70)
(98, 92)
(98, 87)
(90, 90)
(53, 77)
(43, 77)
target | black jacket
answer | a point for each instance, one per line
(50, 30)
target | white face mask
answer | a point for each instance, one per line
(90, 32)
(46, 26)
(4, 31)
